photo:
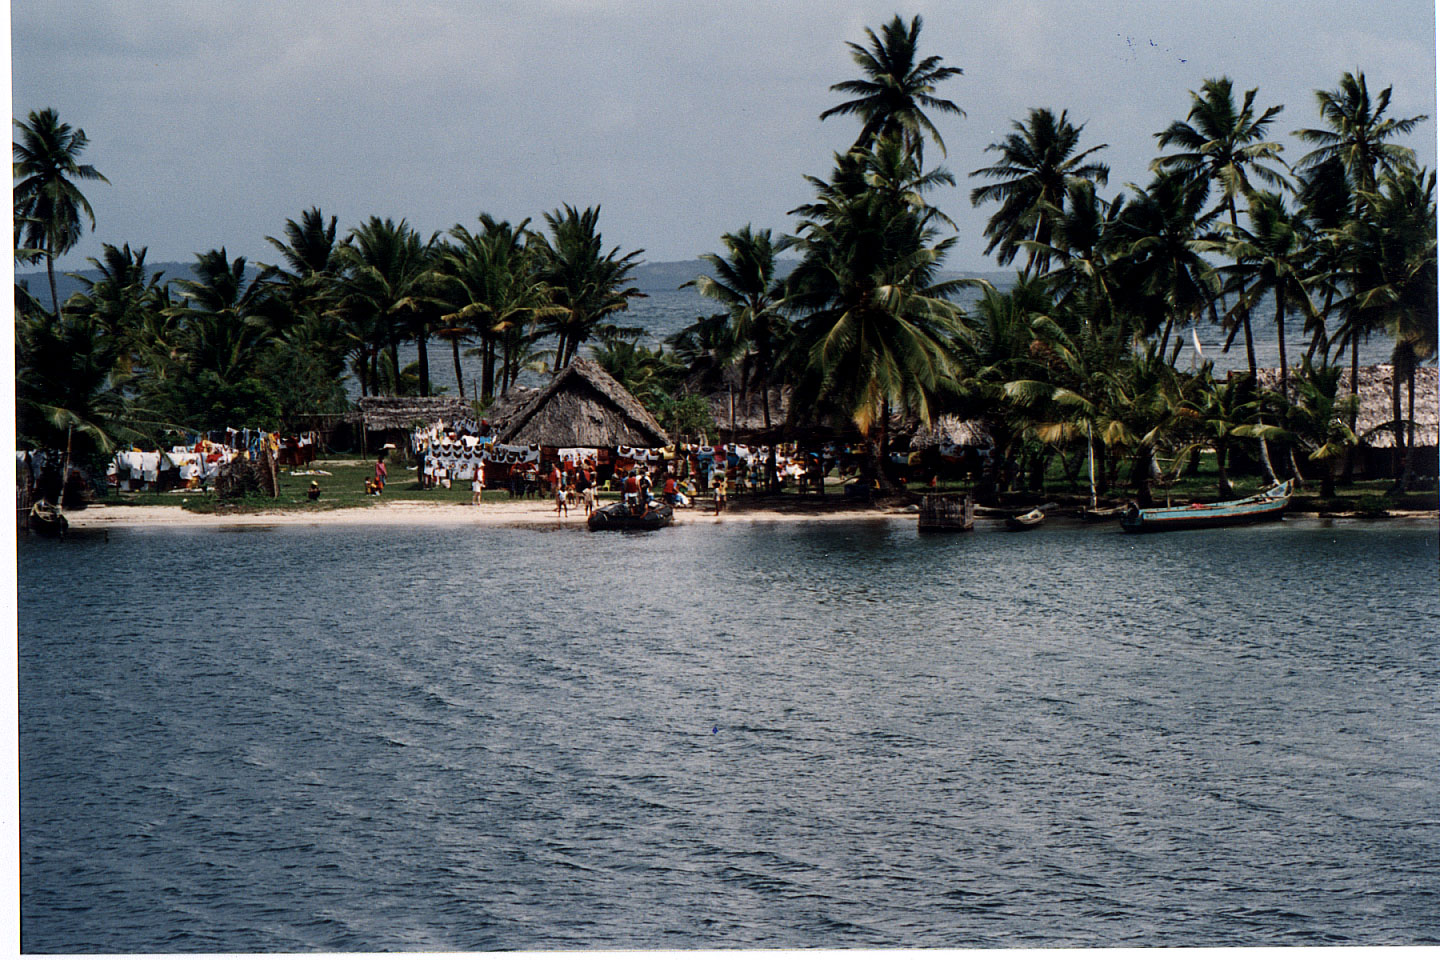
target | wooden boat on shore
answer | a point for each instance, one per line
(47, 520)
(1026, 521)
(1101, 514)
(1269, 505)
(622, 516)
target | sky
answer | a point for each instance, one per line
(216, 121)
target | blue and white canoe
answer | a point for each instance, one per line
(1269, 505)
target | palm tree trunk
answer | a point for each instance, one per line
(1090, 449)
(487, 368)
(50, 272)
(1354, 403)
(1280, 340)
(1397, 457)
(455, 357)
(1410, 429)
(422, 344)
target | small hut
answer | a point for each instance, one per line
(582, 407)
(1376, 414)
(390, 419)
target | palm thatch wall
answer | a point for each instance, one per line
(1376, 411)
(952, 429)
(583, 407)
(402, 413)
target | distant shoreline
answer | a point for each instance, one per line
(527, 514)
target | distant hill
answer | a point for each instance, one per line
(39, 285)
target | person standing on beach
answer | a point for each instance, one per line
(562, 504)
(380, 473)
(477, 484)
(719, 493)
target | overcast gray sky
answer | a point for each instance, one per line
(216, 121)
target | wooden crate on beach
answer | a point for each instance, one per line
(946, 511)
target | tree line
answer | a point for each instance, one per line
(1075, 362)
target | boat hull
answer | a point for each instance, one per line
(1026, 521)
(48, 521)
(1264, 508)
(617, 516)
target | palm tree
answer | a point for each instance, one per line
(1324, 199)
(586, 284)
(1039, 166)
(1270, 257)
(383, 289)
(750, 289)
(1162, 275)
(877, 328)
(1358, 132)
(46, 198)
(223, 316)
(892, 96)
(121, 301)
(490, 291)
(312, 264)
(1315, 420)
(1393, 252)
(1215, 415)
(1225, 146)
(1356, 138)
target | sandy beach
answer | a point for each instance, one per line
(523, 513)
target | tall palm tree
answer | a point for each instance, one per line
(121, 300)
(384, 287)
(896, 89)
(223, 317)
(46, 199)
(877, 329)
(585, 283)
(1358, 131)
(1163, 276)
(751, 290)
(1394, 251)
(489, 289)
(1269, 257)
(1038, 167)
(1356, 136)
(1224, 145)
(1324, 199)
(306, 283)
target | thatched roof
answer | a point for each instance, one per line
(583, 407)
(952, 429)
(748, 409)
(402, 413)
(1375, 402)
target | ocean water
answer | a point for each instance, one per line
(741, 735)
(664, 312)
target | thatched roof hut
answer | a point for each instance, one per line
(583, 407)
(402, 413)
(743, 412)
(1375, 411)
(953, 430)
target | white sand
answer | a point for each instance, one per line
(527, 513)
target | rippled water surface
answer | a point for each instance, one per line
(298, 739)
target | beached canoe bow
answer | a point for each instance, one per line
(47, 520)
(1269, 505)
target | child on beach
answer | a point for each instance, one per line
(562, 501)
